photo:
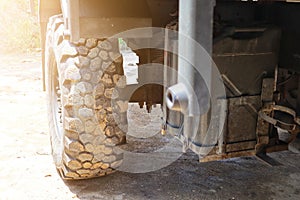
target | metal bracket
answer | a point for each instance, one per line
(262, 128)
(290, 127)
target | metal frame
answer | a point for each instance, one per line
(91, 19)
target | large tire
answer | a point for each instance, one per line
(80, 81)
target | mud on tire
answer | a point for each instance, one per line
(84, 127)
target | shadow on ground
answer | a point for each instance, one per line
(241, 178)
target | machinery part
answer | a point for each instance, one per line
(81, 79)
(230, 86)
(245, 108)
(197, 75)
(290, 126)
(238, 58)
(196, 22)
(177, 99)
(262, 128)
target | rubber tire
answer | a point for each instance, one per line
(85, 126)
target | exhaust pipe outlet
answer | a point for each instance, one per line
(177, 98)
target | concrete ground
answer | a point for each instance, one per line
(27, 170)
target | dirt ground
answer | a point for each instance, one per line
(27, 171)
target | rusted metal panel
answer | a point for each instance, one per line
(242, 116)
(246, 71)
(244, 62)
(226, 156)
(241, 153)
(241, 146)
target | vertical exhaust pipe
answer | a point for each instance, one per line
(195, 27)
(191, 94)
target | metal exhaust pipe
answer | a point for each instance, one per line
(177, 98)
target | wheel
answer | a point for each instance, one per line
(85, 126)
